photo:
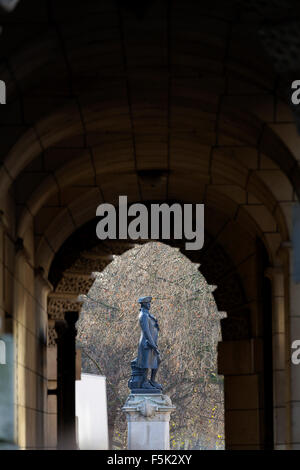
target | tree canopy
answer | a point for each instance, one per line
(108, 334)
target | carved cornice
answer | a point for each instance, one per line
(40, 275)
(148, 406)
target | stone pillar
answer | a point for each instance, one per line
(148, 417)
(280, 370)
(66, 375)
(7, 411)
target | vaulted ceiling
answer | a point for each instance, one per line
(175, 100)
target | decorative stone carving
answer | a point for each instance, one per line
(87, 265)
(57, 307)
(72, 283)
(148, 419)
(51, 337)
(147, 405)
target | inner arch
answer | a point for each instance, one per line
(183, 303)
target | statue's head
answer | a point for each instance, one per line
(145, 302)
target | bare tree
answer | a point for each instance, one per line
(108, 333)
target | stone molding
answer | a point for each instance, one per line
(148, 407)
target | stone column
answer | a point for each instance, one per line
(148, 417)
(66, 375)
(280, 372)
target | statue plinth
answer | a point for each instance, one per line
(148, 416)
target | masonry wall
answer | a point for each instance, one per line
(30, 331)
(24, 322)
(7, 369)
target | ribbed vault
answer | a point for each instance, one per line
(168, 101)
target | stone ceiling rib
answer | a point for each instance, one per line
(196, 99)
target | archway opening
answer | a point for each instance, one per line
(108, 334)
(237, 271)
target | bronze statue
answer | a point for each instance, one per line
(148, 354)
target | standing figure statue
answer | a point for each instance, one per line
(148, 354)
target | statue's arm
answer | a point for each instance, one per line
(145, 329)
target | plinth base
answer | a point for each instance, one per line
(148, 417)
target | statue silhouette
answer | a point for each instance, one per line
(148, 354)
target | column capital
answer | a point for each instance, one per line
(273, 271)
(40, 275)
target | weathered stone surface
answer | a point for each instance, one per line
(148, 419)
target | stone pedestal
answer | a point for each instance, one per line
(148, 417)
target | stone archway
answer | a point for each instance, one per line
(240, 357)
(157, 123)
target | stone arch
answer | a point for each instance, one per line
(83, 253)
(159, 118)
(235, 128)
(71, 272)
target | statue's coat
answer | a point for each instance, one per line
(147, 356)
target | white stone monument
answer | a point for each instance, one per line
(91, 412)
(148, 417)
